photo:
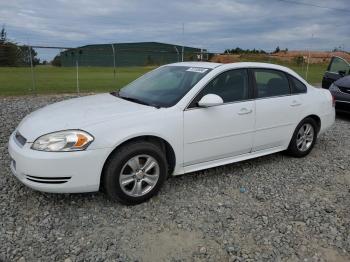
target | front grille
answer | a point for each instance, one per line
(48, 180)
(344, 89)
(20, 139)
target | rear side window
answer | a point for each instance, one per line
(297, 86)
(271, 83)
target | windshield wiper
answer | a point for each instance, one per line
(135, 100)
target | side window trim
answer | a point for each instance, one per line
(252, 69)
(293, 87)
(250, 90)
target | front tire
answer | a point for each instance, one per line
(135, 172)
(304, 138)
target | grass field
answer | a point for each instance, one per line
(48, 79)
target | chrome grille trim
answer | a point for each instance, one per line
(48, 180)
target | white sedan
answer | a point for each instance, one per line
(176, 119)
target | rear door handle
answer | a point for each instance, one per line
(295, 103)
(245, 111)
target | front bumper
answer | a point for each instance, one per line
(342, 99)
(57, 172)
(342, 106)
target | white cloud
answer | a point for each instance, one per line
(215, 25)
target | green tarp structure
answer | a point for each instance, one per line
(130, 54)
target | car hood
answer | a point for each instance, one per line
(343, 82)
(78, 113)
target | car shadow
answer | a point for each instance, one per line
(343, 116)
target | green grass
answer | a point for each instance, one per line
(54, 80)
(315, 73)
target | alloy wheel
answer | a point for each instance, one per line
(139, 175)
(305, 137)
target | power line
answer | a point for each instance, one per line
(315, 5)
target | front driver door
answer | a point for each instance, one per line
(337, 68)
(221, 131)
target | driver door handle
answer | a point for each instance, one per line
(244, 111)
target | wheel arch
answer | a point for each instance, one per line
(317, 119)
(314, 117)
(161, 142)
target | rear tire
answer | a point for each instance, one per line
(304, 138)
(135, 172)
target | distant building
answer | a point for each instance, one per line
(130, 54)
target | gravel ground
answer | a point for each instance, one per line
(268, 209)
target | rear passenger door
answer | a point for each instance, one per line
(277, 110)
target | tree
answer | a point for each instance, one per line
(3, 35)
(299, 60)
(56, 61)
(239, 50)
(12, 54)
(276, 50)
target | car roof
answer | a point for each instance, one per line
(212, 65)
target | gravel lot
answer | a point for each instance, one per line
(271, 208)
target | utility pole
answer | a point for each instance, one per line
(183, 41)
(308, 59)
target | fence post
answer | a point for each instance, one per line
(32, 69)
(307, 66)
(114, 70)
(178, 54)
(77, 66)
(182, 55)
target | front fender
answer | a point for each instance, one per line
(167, 125)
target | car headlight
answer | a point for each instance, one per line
(63, 141)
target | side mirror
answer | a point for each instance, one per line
(210, 100)
(341, 72)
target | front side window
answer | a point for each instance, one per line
(271, 83)
(163, 87)
(231, 86)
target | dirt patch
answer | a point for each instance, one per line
(175, 244)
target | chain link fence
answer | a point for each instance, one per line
(93, 68)
(105, 68)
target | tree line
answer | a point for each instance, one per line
(239, 51)
(12, 54)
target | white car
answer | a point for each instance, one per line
(176, 119)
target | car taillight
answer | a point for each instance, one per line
(333, 101)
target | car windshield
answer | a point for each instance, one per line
(163, 87)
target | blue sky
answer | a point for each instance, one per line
(214, 25)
